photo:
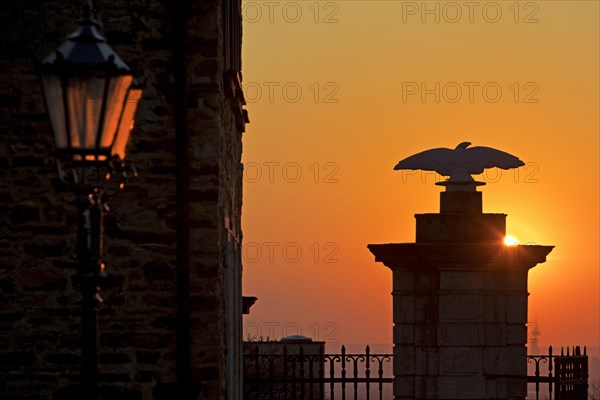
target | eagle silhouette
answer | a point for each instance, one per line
(459, 163)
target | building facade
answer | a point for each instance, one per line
(172, 303)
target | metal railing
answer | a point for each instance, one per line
(566, 376)
(294, 375)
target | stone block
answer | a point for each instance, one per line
(426, 310)
(404, 334)
(501, 388)
(461, 280)
(516, 388)
(495, 281)
(517, 281)
(447, 388)
(116, 340)
(404, 309)
(465, 307)
(490, 388)
(425, 334)
(495, 334)
(516, 334)
(158, 269)
(461, 202)
(64, 359)
(460, 228)
(494, 308)
(471, 388)
(118, 390)
(114, 358)
(37, 279)
(427, 282)
(403, 280)
(114, 377)
(431, 387)
(433, 361)
(404, 360)
(143, 376)
(421, 360)
(494, 361)
(420, 387)
(516, 308)
(147, 357)
(453, 334)
(460, 360)
(516, 359)
(404, 387)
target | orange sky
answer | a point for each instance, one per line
(335, 96)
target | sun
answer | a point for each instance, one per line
(510, 240)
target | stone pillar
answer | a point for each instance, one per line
(460, 304)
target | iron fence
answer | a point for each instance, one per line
(317, 376)
(566, 376)
(297, 375)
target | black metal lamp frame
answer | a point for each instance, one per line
(93, 185)
(94, 174)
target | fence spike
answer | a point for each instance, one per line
(585, 350)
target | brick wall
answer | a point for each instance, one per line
(39, 316)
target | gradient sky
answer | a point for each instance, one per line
(336, 97)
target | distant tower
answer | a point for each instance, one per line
(459, 293)
(534, 338)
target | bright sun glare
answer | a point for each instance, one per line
(510, 240)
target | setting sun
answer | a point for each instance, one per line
(510, 240)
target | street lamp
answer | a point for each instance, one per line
(91, 98)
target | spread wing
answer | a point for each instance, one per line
(476, 159)
(439, 160)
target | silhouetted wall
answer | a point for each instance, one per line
(39, 315)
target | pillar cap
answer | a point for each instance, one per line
(461, 186)
(490, 255)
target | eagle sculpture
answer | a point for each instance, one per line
(459, 163)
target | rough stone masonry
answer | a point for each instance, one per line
(39, 316)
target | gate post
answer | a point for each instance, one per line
(460, 304)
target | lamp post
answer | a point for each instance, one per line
(91, 98)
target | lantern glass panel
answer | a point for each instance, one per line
(85, 97)
(126, 122)
(115, 104)
(53, 94)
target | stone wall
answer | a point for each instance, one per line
(39, 317)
